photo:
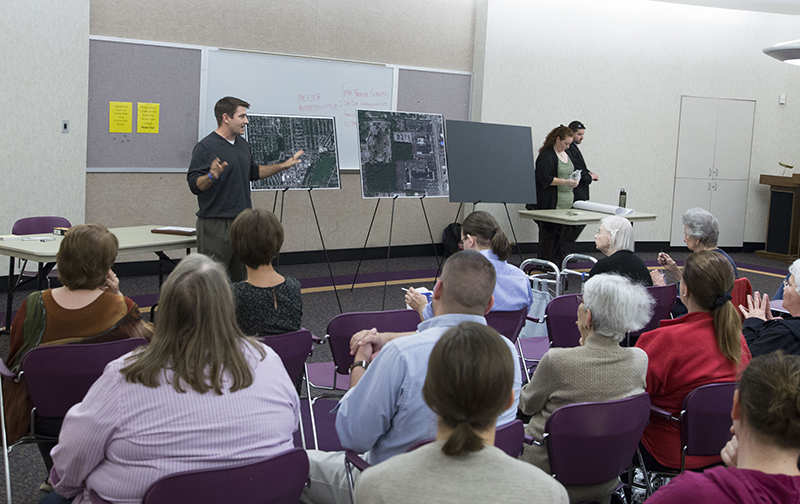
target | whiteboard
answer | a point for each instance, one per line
(284, 85)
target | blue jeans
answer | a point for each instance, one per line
(54, 498)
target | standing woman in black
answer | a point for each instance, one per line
(554, 190)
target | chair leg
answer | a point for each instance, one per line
(311, 410)
(645, 474)
(350, 483)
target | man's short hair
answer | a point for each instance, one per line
(228, 105)
(468, 280)
(576, 125)
(256, 237)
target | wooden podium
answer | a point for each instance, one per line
(783, 226)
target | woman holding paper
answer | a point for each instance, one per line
(554, 184)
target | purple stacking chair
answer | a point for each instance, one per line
(58, 376)
(294, 348)
(665, 297)
(509, 437)
(334, 375)
(590, 443)
(560, 315)
(38, 225)
(704, 420)
(507, 323)
(277, 480)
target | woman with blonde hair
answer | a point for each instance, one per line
(201, 395)
(704, 346)
(614, 238)
(469, 383)
(481, 233)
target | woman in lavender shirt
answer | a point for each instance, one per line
(201, 395)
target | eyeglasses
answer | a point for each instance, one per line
(579, 299)
(461, 243)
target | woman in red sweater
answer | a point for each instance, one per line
(704, 346)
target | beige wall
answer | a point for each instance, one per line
(621, 68)
(412, 33)
(44, 80)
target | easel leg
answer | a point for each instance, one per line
(513, 233)
(283, 195)
(275, 202)
(365, 244)
(388, 254)
(433, 243)
(322, 241)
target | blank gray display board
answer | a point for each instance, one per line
(283, 85)
(434, 92)
(490, 163)
(126, 72)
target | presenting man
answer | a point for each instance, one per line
(580, 193)
(220, 174)
(384, 413)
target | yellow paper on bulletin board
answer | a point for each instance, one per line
(147, 114)
(120, 117)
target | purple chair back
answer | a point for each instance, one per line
(38, 225)
(590, 443)
(507, 323)
(706, 418)
(276, 480)
(560, 315)
(510, 438)
(665, 296)
(293, 348)
(58, 376)
(343, 327)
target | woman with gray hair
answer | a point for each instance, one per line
(598, 370)
(700, 232)
(765, 333)
(614, 238)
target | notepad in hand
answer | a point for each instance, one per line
(175, 230)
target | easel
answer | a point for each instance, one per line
(319, 230)
(389, 248)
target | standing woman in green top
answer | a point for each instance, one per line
(554, 190)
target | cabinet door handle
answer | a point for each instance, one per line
(715, 186)
(716, 172)
(709, 172)
(709, 186)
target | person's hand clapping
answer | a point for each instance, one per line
(757, 307)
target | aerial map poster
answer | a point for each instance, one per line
(274, 139)
(402, 154)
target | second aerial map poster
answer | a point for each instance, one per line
(275, 138)
(402, 154)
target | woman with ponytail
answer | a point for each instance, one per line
(704, 346)
(469, 383)
(481, 233)
(763, 458)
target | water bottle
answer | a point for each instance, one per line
(623, 197)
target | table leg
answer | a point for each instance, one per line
(10, 294)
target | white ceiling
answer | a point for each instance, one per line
(774, 6)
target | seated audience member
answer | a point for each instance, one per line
(87, 308)
(704, 346)
(481, 233)
(700, 232)
(266, 303)
(598, 370)
(383, 413)
(763, 332)
(614, 238)
(762, 457)
(201, 395)
(469, 383)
